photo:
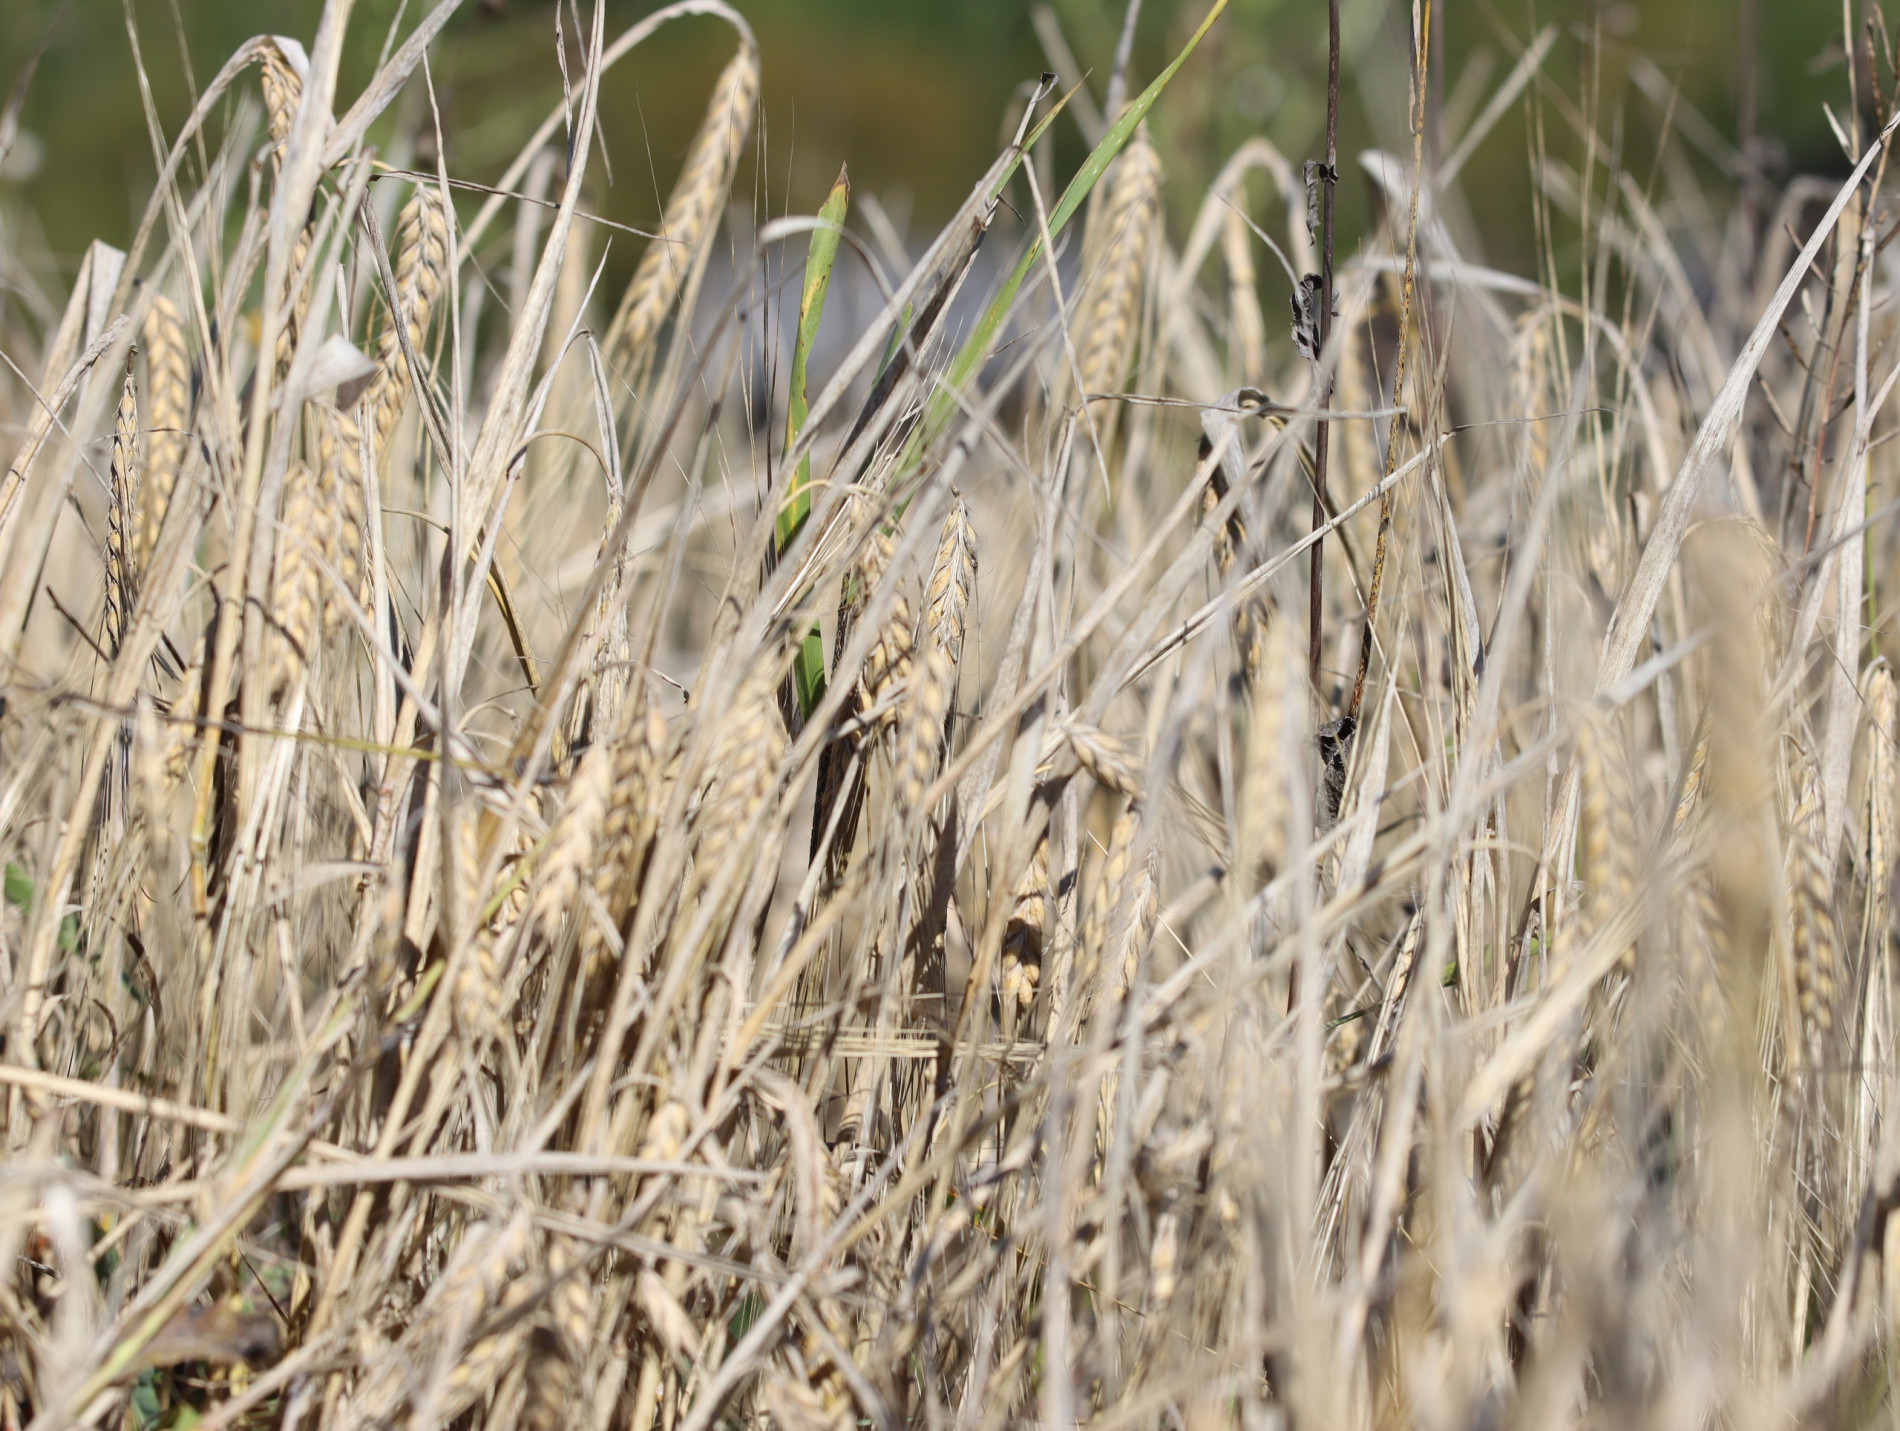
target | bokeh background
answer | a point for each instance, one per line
(916, 94)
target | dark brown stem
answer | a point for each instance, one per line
(1322, 442)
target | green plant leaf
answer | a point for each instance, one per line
(811, 307)
(976, 349)
(808, 669)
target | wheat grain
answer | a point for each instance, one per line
(1266, 800)
(559, 1352)
(1882, 702)
(477, 989)
(627, 825)
(1110, 884)
(1104, 757)
(1607, 842)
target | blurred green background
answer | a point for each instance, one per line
(916, 94)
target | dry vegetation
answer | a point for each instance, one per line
(566, 866)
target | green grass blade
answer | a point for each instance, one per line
(808, 670)
(811, 307)
(976, 349)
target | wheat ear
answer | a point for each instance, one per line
(888, 665)
(1607, 837)
(576, 835)
(558, 1351)
(281, 71)
(691, 211)
(745, 758)
(952, 579)
(1816, 948)
(627, 827)
(343, 519)
(121, 573)
(296, 591)
(1023, 936)
(1111, 308)
(919, 746)
(168, 422)
(421, 267)
(1248, 343)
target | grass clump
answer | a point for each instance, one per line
(569, 880)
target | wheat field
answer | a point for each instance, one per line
(1078, 847)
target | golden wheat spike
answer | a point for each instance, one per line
(121, 513)
(1111, 890)
(1023, 936)
(920, 719)
(296, 592)
(1606, 837)
(282, 64)
(1111, 306)
(691, 211)
(557, 1352)
(1248, 329)
(342, 522)
(167, 422)
(299, 280)
(1273, 732)
(952, 579)
(420, 267)
(627, 828)
(746, 757)
(1819, 974)
(576, 836)
(888, 664)
(1883, 724)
